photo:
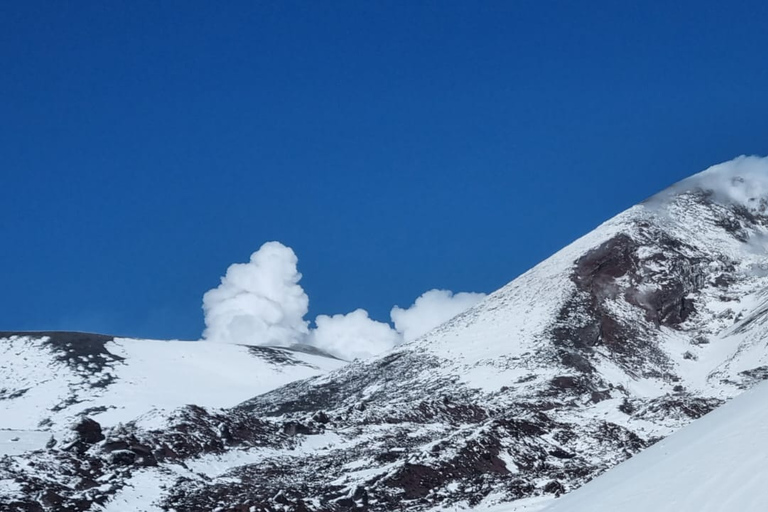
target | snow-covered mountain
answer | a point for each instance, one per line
(648, 322)
(48, 379)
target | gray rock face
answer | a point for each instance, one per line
(633, 331)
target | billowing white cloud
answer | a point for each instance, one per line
(431, 309)
(259, 302)
(262, 303)
(353, 335)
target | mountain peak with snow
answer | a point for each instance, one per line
(742, 181)
(633, 331)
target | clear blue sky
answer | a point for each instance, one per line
(396, 146)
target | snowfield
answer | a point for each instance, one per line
(15, 442)
(48, 380)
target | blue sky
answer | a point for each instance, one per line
(395, 146)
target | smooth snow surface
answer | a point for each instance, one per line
(719, 463)
(170, 374)
(14, 442)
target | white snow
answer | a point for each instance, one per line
(742, 181)
(14, 442)
(9, 488)
(143, 489)
(510, 323)
(153, 375)
(170, 374)
(718, 463)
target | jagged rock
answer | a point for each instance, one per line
(88, 431)
(321, 417)
(122, 458)
(554, 487)
(293, 428)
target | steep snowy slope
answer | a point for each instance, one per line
(645, 324)
(47, 379)
(718, 463)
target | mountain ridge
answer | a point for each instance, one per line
(624, 336)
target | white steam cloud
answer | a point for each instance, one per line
(433, 308)
(261, 303)
(353, 335)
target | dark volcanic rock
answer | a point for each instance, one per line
(122, 457)
(88, 431)
(658, 284)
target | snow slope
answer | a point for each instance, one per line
(683, 239)
(46, 380)
(718, 463)
(15, 442)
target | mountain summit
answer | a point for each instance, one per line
(638, 328)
